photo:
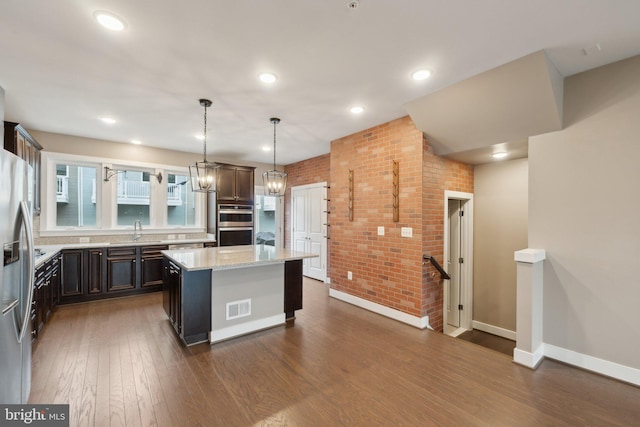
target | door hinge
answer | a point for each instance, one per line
(460, 307)
(460, 260)
(461, 213)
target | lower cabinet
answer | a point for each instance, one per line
(97, 273)
(45, 294)
(121, 269)
(186, 299)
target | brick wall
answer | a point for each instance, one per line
(387, 269)
(308, 171)
(438, 174)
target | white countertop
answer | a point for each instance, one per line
(227, 257)
(49, 251)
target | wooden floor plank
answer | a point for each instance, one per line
(119, 363)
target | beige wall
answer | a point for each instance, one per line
(583, 210)
(500, 229)
(59, 143)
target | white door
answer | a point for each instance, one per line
(308, 227)
(454, 262)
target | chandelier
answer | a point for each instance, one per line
(203, 174)
(275, 182)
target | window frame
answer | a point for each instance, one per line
(106, 197)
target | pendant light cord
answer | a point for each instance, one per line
(274, 144)
(205, 133)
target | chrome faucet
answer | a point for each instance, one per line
(137, 228)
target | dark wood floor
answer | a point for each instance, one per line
(490, 341)
(118, 362)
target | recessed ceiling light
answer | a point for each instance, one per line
(267, 77)
(108, 120)
(199, 136)
(357, 109)
(421, 74)
(266, 148)
(500, 155)
(109, 21)
(136, 141)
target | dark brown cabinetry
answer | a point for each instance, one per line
(121, 269)
(96, 273)
(18, 141)
(151, 266)
(44, 294)
(235, 183)
(292, 287)
(186, 299)
(72, 274)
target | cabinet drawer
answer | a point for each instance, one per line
(121, 252)
(153, 250)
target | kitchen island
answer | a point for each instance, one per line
(213, 294)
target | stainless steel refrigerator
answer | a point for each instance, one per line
(16, 280)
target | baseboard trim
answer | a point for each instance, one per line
(530, 360)
(594, 364)
(494, 330)
(246, 328)
(418, 322)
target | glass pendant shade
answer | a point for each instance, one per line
(203, 174)
(274, 181)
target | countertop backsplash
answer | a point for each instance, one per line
(114, 238)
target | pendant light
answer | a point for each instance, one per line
(203, 174)
(275, 182)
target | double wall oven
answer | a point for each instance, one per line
(235, 224)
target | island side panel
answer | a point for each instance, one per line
(292, 287)
(262, 286)
(196, 306)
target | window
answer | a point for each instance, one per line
(75, 195)
(181, 206)
(96, 196)
(133, 197)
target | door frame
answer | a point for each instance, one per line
(466, 252)
(325, 251)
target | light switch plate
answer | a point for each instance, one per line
(380, 231)
(406, 232)
(349, 275)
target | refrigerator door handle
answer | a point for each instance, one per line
(24, 325)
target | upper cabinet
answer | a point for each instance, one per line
(235, 184)
(18, 141)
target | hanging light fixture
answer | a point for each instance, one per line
(275, 182)
(203, 174)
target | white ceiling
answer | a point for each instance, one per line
(61, 71)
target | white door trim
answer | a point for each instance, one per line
(466, 291)
(324, 207)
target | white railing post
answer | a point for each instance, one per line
(529, 349)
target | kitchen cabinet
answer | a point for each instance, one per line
(97, 273)
(151, 266)
(72, 274)
(121, 269)
(235, 183)
(186, 299)
(44, 300)
(95, 270)
(18, 141)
